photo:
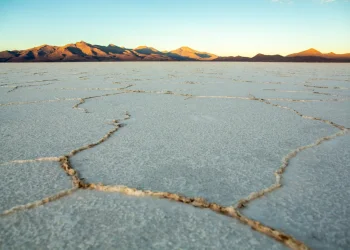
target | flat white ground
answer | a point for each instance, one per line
(212, 130)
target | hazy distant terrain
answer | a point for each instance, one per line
(82, 52)
(117, 155)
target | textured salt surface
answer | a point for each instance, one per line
(198, 129)
(337, 112)
(217, 149)
(24, 183)
(45, 130)
(314, 206)
(92, 219)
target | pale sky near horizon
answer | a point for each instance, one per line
(222, 27)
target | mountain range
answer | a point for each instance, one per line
(82, 51)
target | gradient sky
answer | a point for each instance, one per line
(222, 27)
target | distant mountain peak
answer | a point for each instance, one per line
(145, 50)
(309, 52)
(82, 42)
(83, 51)
(186, 51)
(186, 48)
(42, 46)
(312, 50)
(142, 47)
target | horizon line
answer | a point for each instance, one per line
(201, 50)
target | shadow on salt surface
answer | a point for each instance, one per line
(314, 204)
(48, 129)
(218, 149)
(29, 182)
(90, 219)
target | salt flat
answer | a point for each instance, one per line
(72, 133)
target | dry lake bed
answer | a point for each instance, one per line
(116, 155)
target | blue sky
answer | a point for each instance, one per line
(223, 27)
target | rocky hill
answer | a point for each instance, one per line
(82, 51)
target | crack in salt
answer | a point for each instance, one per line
(231, 211)
(279, 172)
(235, 97)
(102, 89)
(310, 100)
(286, 159)
(199, 202)
(324, 87)
(305, 91)
(39, 202)
(34, 102)
(82, 100)
(79, 183)
(188, 96)
(14, 87)
(301, 115)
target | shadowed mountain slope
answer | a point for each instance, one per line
(193, 54)
(315, 53)
(82, 51)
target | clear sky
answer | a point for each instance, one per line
(222, 27)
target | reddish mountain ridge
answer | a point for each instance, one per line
(82, 51)
(314, 52)
(310, 55)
